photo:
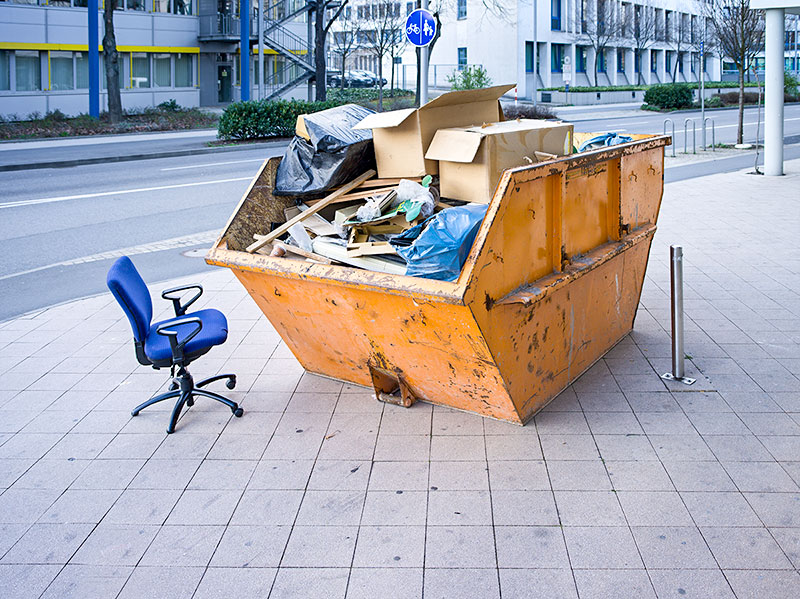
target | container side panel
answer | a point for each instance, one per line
(586, 207)
(339, 330)
(543, 347)
(642, 185)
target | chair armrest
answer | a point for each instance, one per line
(169, 294)
(167, 330)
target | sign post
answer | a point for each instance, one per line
(702, 88)
(566, 71)
(420, 31)
(94, 61)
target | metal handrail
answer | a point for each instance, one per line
(686, 136)
(672, 135)
(713, 134)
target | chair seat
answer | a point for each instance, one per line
(214, 332)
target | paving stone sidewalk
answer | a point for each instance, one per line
(623, 487)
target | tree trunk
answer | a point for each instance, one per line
(111, 61)
(319, 52)
(740, 127)
(596, 53)
(341, 81)
(380, 83)
(391, 86)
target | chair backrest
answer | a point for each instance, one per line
(129, 289)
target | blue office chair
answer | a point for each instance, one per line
(172, 343)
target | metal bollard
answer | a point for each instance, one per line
(713, 134)
(676, 288)
(686, 136)
(672, 125)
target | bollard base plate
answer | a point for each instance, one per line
(686, 380)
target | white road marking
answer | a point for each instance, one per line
(180, 168)
(100, 194)
(206, 237)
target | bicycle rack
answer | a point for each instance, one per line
(686, 136)
(672, 125)
(713, 134)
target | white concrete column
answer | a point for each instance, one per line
(773, 92)
(611, 65)
(544, 65)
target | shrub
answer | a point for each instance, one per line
(669, 97)
(714, 102)
(474, 77)
(527, 111)
(732, 98)
(790, 84)
(261, 118)
(170, 105)
(358, 95)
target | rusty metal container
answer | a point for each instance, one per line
(552, 283)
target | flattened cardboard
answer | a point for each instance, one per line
(401, 137)
(472, 159)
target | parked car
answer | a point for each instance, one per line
(368, 78)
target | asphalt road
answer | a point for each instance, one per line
(60, 229)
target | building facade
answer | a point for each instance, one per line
(182, 50)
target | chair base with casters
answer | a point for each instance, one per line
(185, 390)
(171, 343)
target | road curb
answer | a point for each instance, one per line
(132, 157)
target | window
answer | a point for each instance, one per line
(160, 5)
(5, 70)
(653, 62)
(162, 70)
(555, 15)
(462, 9)
(601, 61)
(637, 61)
(620, 61)
(691, 61)
(135, 5)
(182, 7)
(580, 59)
(529, 57)
(680, 61)
(409, 8)
(556, 57)
(668, 61)
(61, 74)
(140, 70)
(462, 58)
(184, 70)
(82, 70)
(705, 63)
(28, 71)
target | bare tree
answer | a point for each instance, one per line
(111, 62)
(380, 26)
(397, 45)
(598, 24)
(325, 14)
(642, 32)
(702, 40)
(345, 38)
(680, 36)
(739, 32)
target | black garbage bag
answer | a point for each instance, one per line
(336, 154)
(438, 247)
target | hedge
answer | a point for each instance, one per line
(261, 118)
(669, 97)
(628, 88)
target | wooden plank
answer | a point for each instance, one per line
(329, 199)
(304, 253)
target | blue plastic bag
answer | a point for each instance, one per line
(604, 139)
(438, 247)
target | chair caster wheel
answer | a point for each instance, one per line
(238, 412)
(231, 383)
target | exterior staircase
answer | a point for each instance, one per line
(297, 52)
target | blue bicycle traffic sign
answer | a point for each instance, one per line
(420, 28)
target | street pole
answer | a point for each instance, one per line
(423, 68)
(676, 312)
(261, 5)
(702, 85)
(773, 92)
(244, 49)
(535, 52)
(94, 61)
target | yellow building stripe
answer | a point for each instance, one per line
(85, 48)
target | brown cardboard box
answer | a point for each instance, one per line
(471, 159)
(402, 137)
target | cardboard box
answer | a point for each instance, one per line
(472, 159)
(402, 137)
